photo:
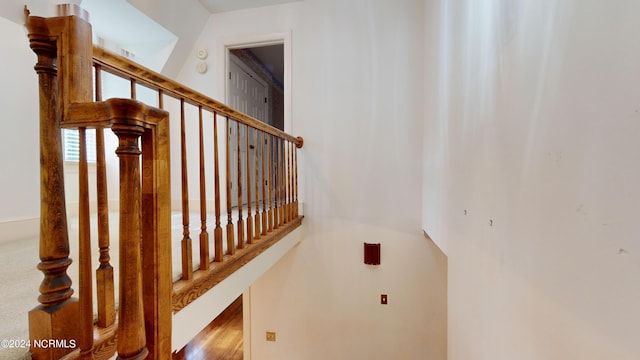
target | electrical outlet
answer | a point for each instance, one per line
(271, 336)
(383, 299)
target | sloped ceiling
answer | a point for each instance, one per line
(171, 29)
(216, 6)
(186, 19)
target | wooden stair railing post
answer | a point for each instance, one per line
(85, 279)
(217, 233)
(291, 181)
(256, 150)
(280, 183)
(131, 329)
(231, 247)
(248, 167)
(52, 318)
(276, 184)
(283, 191)
(187, 251)
(156, 236)
(292, 190)
(204, 235)
(240, 223)
(105, 290)
(283, 180)
(287, 209)
(295, 183)
(265, 226)
(299, 143)
(270, 222)
(144, 313)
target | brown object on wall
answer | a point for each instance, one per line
(372, 254)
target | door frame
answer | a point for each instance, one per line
(255, 40)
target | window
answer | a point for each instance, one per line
(71, 145)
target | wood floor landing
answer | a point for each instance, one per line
(222, 339)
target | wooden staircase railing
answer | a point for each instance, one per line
(137, 322)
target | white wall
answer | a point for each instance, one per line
(358, 91)
(188, 322)
(533, 122)
(19, 130)
(357, 101)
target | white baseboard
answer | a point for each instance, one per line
(20, 228)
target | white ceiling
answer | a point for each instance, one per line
(121, 26)
(216, 6)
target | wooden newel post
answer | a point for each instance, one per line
(131, 325)
(50, 319)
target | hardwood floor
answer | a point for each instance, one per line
(221, 339)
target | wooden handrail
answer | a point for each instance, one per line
(146, 293)
(119, 65)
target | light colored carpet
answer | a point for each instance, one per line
(19, 290)
(21, 279)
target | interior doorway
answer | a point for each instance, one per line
(259, 59)
(255, 86)
(257, 82)
(253, 70)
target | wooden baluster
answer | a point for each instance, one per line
(299, 143)
(204, 236)
(248, 167)
(276, 183)
(287, 182)
(291, 191)
(160, 99)
(270, 212)
(287, 195)
(240, 224)
(231, 247)
(256, 150)
(217, 233)
(187, 252)
(287, 146)
(279, 182)
(52, 319)
(265, 226)
(296, 212)
(85, 281)
(282, 179)
(105, 290)
(283, 183)
(131, 329)
(133, 88)
(285, 179)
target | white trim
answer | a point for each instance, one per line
(19, 229)
(245, 41)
